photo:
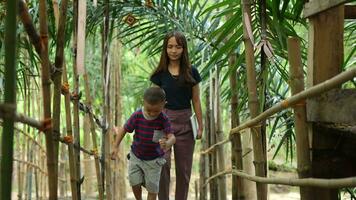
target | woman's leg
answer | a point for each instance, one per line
(183, 155)
(151, 196)
(165, 178)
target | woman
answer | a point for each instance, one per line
(180, 81)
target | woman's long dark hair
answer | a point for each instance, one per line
(185, 72)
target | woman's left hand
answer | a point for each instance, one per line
(200, 134)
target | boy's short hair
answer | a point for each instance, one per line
(154, 95)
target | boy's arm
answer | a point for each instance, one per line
(120, 134)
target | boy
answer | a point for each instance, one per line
(153, 136)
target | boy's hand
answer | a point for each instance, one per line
(114, 154)
(115, 129)
(164, 145)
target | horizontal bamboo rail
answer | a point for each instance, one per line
(308, 182)
(290, 102)
(298, 98)
(31, 139)
(9, 111)
(83, 107)
(89, 152)
(31, 165)
(36, 167)
(5, 112)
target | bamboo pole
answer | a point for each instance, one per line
(88, 101)
(263, 76)
(88, 163)
(119, 172)
(29, 26)
(238, 192)
(57, 78)
(76, 131)
(301, 129)
(214, 193)
(219, 137)
(253, 104)
(304, 182)
(94, 139)
(204, 160)
(10, 98)
(7, 111)
(62, 171)
(46, 94)
(21, 147)
(29, 171)
(36, 182)
(106, 175)
(69, 132)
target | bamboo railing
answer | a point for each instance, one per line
(287, 103)
(290, 102)
(302, 182)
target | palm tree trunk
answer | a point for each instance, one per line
(258, 139)
(46, 93)
(10, 99)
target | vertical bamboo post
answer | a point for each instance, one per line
(258, 139)
(76, 126)
(106, 82)
(46, 90)
(213, 157)
(88, 101)
(20, 167)
(94, 139)
(36, 183)
(57, 78)
(69, 132)
(264, 75)
(60, 61)
(62, 168)
(238, 192)
(204, 159)
(29, 170)
(10, 99)
(219, 137)
(301, 130)
(119, 172)
(87, 161)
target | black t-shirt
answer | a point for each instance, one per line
(178, 95)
